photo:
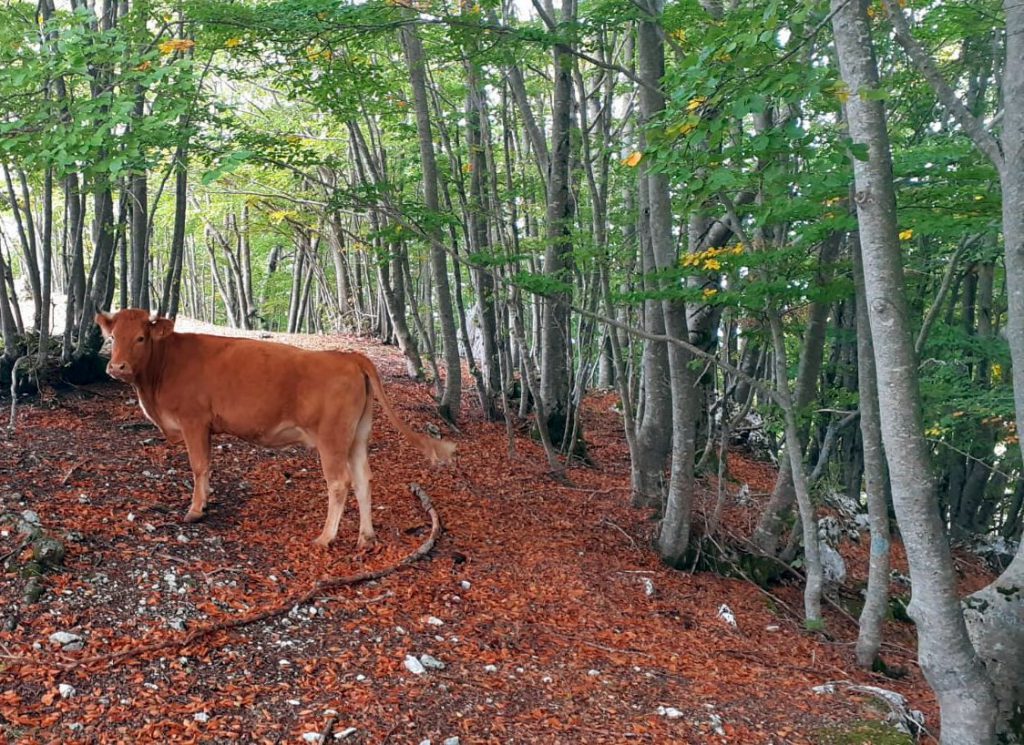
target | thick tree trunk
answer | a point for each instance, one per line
(556, 327)
(995, 615)
(654, 433)
(949, 662)
(674, 533)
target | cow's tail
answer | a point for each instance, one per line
(436, 451)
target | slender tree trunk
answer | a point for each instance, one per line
(954, 671)
(876, 602)
(451, 398)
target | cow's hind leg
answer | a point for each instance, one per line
(336, 474)
(359, 465)
(197, 442)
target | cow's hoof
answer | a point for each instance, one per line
(365, 542)
(192, 517)
(322, 542)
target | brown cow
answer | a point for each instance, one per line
(195, 385)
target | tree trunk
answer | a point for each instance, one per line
(948, 661)
(674, 533)
(556, 327)
(172, 284)
(876, 601)
(450, 403)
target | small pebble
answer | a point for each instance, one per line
(201, 716)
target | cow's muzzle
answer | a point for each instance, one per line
(120, 371)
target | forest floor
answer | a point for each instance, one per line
(555, 621)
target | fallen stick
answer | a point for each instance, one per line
(281, 608)
(329, 726)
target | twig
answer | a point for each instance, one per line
(615, 525)
(282, 607)
(329, 726)
(73, 468)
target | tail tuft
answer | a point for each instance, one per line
(443, 450)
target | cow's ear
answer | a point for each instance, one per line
(161, 328)
(106, 322)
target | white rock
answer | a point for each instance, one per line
(431, 663)
(824, 689)
(833, 568)
(465, 584)
(451, 741)
(716, 725)
(131, 517)
(413, 665)
(293, 702)
(425, 742)
(491, 668)
(593, 673)
(360, 678)
(670, 712)
(64, 638)
(201, 716)
(434, 621)
(772, 627)
(311, 736)
(648, 584)
(66, 690)
(345, 733)
(725, 613)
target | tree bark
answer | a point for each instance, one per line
(451, 398)
(876, 601)
(948, 661)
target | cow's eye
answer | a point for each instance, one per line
(141, 339)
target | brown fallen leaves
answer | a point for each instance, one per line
(546, 631)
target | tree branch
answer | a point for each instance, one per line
(972, 125)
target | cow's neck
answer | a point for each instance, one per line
(147, 384)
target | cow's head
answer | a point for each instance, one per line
(133, 333)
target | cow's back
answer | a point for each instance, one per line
(257, 389)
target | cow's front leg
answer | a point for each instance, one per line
(197, 441)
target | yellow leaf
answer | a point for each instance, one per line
(841, 91)
(906, 235)
(679, 35)
(176, 45)
(997, 371)
(710, 292)
(467, 167)
(695, 103)
(634, 159)
(233, 42)
(978, 197)
(712, 264)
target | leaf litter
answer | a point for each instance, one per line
(542, 612)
